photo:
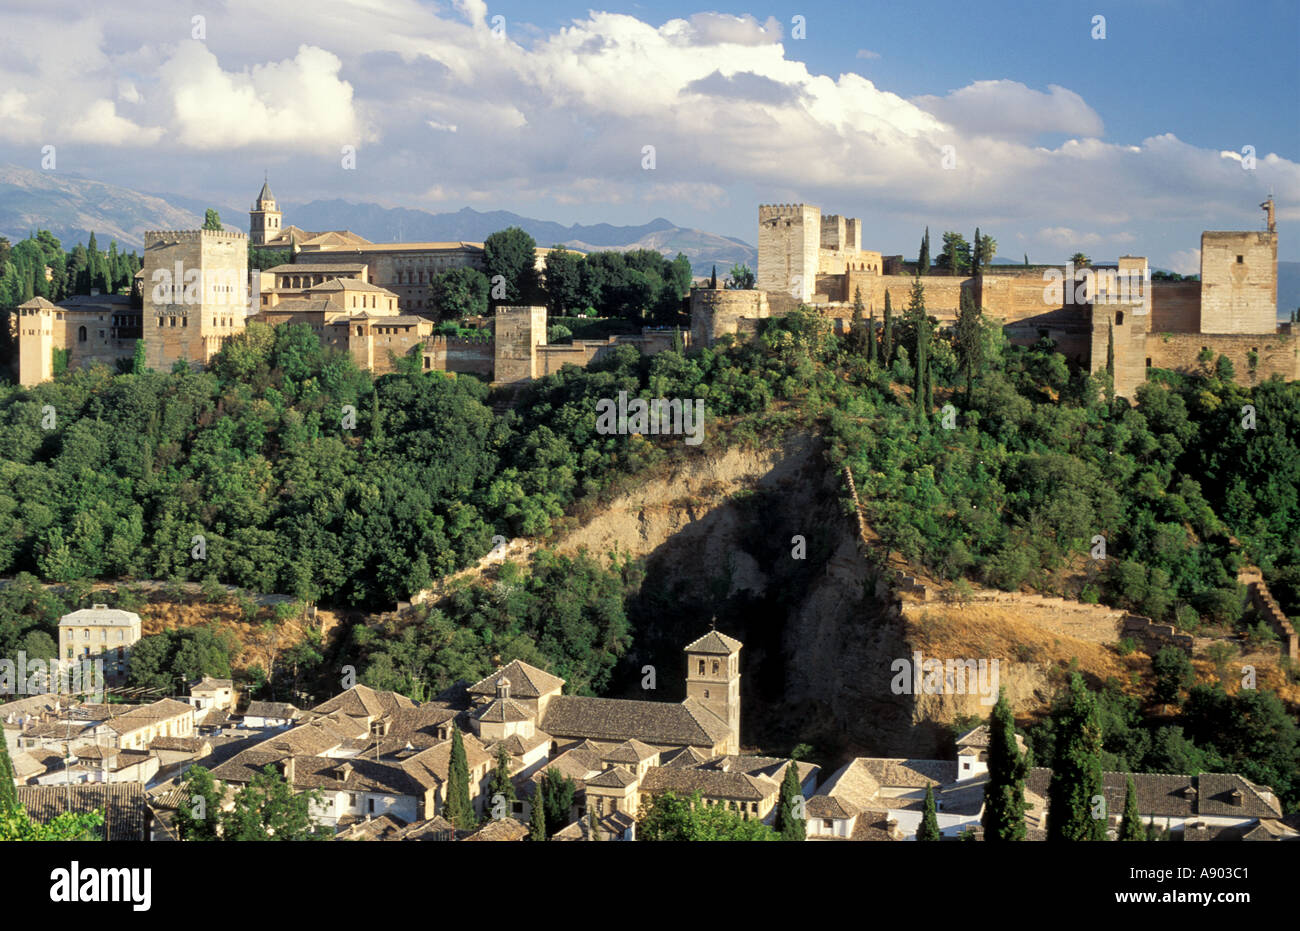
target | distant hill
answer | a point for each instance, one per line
(1288, 289)
(398, 224)
(72, 207)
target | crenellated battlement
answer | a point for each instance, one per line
(775, 211)
(190, 235)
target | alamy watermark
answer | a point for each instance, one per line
(25, 676)
(1097, 286)
(656, 416)
(917, 676)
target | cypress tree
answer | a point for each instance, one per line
(1110, 363)
(923, 261)
(929, 829)
(855, 331)
(501, 784)
(1131, 828)
(713, 282)
(887, 348)
(1076, 767)
(872, 355)
(970, 342)
(8, 794)
(537, 821)
(787, 822)
(916, 314)
(458, 810)
(975, 254)
(1004, 796)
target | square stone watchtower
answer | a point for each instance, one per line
(195, 294)
(789, 243)
(519, 331)
(1239, 282)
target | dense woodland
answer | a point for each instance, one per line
(977, 460)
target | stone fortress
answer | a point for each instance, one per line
(805, 258)
(371, 300)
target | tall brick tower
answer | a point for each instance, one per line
(263, 219)
(713, 678)
(195, 294)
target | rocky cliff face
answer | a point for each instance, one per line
(720, 537)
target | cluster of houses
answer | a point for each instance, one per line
(380, 763)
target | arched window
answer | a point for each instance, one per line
(81, 334)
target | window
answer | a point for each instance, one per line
(701, 667)
(370, 805)
(1148, 362)
(352, 799)
(85, 635)
(1119, 318)
(826, 823)
(716, 667)
(81, 334)
(706, 693)
(1240, 259)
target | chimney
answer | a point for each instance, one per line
(503, 687)
(344, 772)
(287, 769)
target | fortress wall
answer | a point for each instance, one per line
(1278, 353)
(1016, 297)
(449, 354)
(1175, 306)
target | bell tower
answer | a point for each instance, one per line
(713, 679)
(264, 218)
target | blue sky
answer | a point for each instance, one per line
(1131, 144)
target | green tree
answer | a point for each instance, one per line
(211, 220)
(917, 318)
(563, 280)
(8, 795)
(970, 341)
(511, 254)
(1110, 364)
(788, 822)
(741, 278)
(557, 792)
(459, 292)
(923, 259)
(1174, 673)
(458, 808)
(199, 815)
(138, 363)
(1076, 783)
(955, 257)
(1131, 827)
(671, 818)
(537, 817)
(268, 809)
(929, 829)
(16, 824)
(887, 340)
(500, 783)
(1079, 260)
(1004, 796)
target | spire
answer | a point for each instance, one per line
(266, 190)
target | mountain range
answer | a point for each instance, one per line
(72, 206)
